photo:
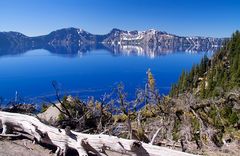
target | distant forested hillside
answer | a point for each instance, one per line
(212, 77)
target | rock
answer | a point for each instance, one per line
(51, 115)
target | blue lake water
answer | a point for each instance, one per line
(88, 74)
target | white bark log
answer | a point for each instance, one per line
(83, 143)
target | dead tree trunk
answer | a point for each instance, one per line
(82, 143)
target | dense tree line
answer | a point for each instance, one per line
(213, 77)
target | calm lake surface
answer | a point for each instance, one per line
(89, 74)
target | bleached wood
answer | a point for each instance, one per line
(82, 143)
(154, 136)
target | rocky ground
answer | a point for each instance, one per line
(22, 147)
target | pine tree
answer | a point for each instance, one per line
(203, 89)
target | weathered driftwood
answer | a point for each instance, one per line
(154, 136)
(82, 143)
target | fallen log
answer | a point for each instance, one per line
(82, 143)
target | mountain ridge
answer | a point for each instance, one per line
(116, 40)
(113, 29)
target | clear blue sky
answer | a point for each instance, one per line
(217, 18)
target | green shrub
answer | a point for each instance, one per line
(233, 119)
(44, 107)
(176, 128)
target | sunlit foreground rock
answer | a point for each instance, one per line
(14, 124)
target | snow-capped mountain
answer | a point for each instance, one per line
(74, 39)
(117, 36)
(153, 42)
(153, 37)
